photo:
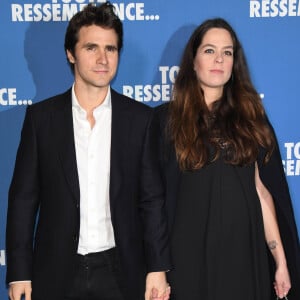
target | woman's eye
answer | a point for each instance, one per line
(208, 51)
(228, 53)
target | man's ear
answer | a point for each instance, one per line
(70, 56)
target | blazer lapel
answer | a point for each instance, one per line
(120, 130)
(64, 131)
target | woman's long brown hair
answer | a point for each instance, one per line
(238, 117)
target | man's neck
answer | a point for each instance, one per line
(90, 98)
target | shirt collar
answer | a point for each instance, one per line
(105, 104)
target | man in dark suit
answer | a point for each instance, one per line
(86, 211)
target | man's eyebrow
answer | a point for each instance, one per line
(90, 44)
(111, 46)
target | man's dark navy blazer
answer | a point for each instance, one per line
(45, 181)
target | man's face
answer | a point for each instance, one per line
(96, 57)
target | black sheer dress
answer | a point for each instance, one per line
(218, 244)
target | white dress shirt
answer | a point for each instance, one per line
(93, 163)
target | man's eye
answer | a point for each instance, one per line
(111, 48)
(90, 47)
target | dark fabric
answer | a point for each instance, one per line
(97, 277)
(218, 244)
(45, 182)
(273, 177)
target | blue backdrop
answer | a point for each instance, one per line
(33, 65)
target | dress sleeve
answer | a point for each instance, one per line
(273, 176)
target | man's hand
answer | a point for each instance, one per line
(17, 289)
(157, 287)
(165, 296)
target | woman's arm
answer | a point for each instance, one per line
(282, 282)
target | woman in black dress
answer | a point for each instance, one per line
(222, 165)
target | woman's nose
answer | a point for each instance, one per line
(219, 57)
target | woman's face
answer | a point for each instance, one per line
(214, 60)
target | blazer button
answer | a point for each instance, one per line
(75, 238)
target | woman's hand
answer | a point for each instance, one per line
(282, 283)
